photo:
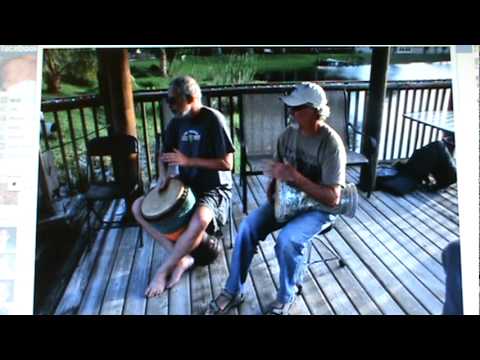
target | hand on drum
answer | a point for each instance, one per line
(175, 158)
(271, 191)
(283, 172)
(162, 183)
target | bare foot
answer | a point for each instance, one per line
(157, 286)
(183, 265)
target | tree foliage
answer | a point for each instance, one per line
(77, 66)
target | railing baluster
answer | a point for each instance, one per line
(155, 125)
(161, 118)
(354, 140)
(74, 145)
(45, 136)
(420, 107)
(219, 99)
(410, 123)
(428, 100)
(442, 101)
(145, 139)
(400, 147)
(365, 105)
(394, 139)
(357, 103)
(387, 125)
(97, 132)
(423, 136)
(62, 150)
(435, 101)
(232, 122)
(85, 135)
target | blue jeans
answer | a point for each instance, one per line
(290, 247)
(453, 288)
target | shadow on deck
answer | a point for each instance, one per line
(392, 249)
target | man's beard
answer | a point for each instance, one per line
(183, 114)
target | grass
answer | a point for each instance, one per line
(228, 69)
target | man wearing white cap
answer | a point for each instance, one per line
(310, 156)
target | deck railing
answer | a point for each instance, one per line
(81, 118)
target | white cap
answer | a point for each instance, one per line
(306, 92)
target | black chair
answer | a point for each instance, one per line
(120, 148)
(327, 245)
(338, 120)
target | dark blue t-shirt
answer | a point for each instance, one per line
(202, 136)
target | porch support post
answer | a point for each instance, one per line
(373, 120)
(116, 92)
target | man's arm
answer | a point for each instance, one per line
(163, 173)
(329, 195)
(178, 158)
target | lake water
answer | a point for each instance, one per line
(406, 72)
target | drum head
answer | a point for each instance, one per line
(158, 203)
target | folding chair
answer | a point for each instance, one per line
(120, 147)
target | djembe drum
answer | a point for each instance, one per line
(169, 210)
(289, 201)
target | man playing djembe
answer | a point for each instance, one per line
(311, 157)
(197, 141)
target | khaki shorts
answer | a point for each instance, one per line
(218, 201)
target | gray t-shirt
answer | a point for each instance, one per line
(321, 158)
(204, 136)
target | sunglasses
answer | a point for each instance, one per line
(171, 100)
(294, 109)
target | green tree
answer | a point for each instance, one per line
(77, 66)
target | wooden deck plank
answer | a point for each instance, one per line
(413, 222)
(201, 291)
(101, 272)
(450, 195)
(398, 291)
(417, 217)
(135, 301)
(179, 296)
(72, 297)
(400, 228)
(371, 284)
(440, 204)
(157, 305)
(117, 286)
(400, 273)
(415, 267)
(357, 295)
(433, 211)
(420, 249)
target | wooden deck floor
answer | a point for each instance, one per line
(392, 249)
